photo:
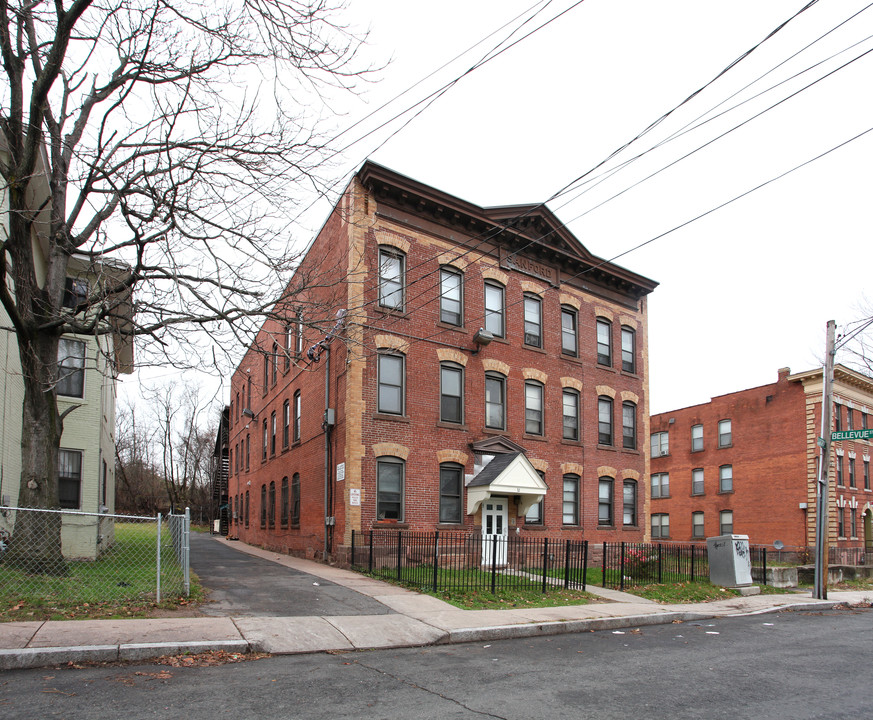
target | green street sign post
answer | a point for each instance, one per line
(852, 435)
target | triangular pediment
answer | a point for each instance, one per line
(496, 445)
(507, 474)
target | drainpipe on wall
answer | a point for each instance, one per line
(327, 425)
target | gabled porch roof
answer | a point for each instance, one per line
(506, 474)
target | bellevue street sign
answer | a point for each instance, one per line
(852, 435)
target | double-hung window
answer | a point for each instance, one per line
(283, 512)
(298, 409)
(71, 368)
(697, 525)
(533, 321)
(571, 500)
(660, 444)
(604, 342)
(628, 350)
(495, 401)
(604, 501)
(389, 488)
(726, 522)
(451, 393)
(726, 478)
(604, 420)
(494, 310)
(696, 438)
(660, 526)
(661, 485)
(569, 334)
(266, 439)
(392, 269)
(69, 478)
(697, 481)
(533, 408)
(286, 423)
(629, 425)
(629, 505)
(451, 477)
(571, 414)
(273, 433)
(295, 499)
(391, 384)
(725, 437)
(451, 296)
(271, 509)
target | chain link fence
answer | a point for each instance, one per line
(55, 560)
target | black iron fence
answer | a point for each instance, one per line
(440, 561)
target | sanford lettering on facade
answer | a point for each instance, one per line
(529, 267)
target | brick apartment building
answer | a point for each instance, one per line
(440, 365)
(746, 462)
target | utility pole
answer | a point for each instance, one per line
(820, 590)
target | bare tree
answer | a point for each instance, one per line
(855, 341)
(132, 140)
(138, 485)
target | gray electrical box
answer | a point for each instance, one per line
(730, 561)
(330, 417)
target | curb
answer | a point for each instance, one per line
(559, 627)
(27, 658)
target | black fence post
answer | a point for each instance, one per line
(584, 563)
(567, 565)
(493, 564)
(660, 565)
(399, 554)
(353, 548)
(545, 562)
(436, 558)
(370, 563)
(603, 562)
(692, 563)
(621, 566)
(764, 558)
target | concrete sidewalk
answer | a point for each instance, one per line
(417, 620)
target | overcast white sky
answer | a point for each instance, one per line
(745, 290)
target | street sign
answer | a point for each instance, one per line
(852, 435)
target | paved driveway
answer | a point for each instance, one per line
(242, 585)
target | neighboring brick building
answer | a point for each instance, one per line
(450, 335)
(746, 463)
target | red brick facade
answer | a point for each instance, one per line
(404, 442)
(757, 477)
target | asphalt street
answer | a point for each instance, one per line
(242, 585)
(800, 665)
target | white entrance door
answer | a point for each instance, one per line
(495, 515)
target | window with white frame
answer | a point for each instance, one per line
(696, 438)
(697, 525)
(725, 438)
(851, 471)
(569, 334)
(494, 309)
(451, 491)
(273, 426)
(660, 444)
(697, 481)
(298, 410)
(604, 501)
(661, 485)
(604, 420)
(571, 500)
(286, 423)
(533, 321)
(495, 401)
(392, 268)
(726, 478)
(570, 414)
(451, 393)
(533, 408)
(266, 440)
(295, 499)
(629, 425)
(629, 505)
(70, 479)
(451, 296)
(389, 488)
(391, 384)
(71, 368)
(628, 350)
(841, 522)
(285, 498)
(660, 526)
(726, 522)
(604, 342)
